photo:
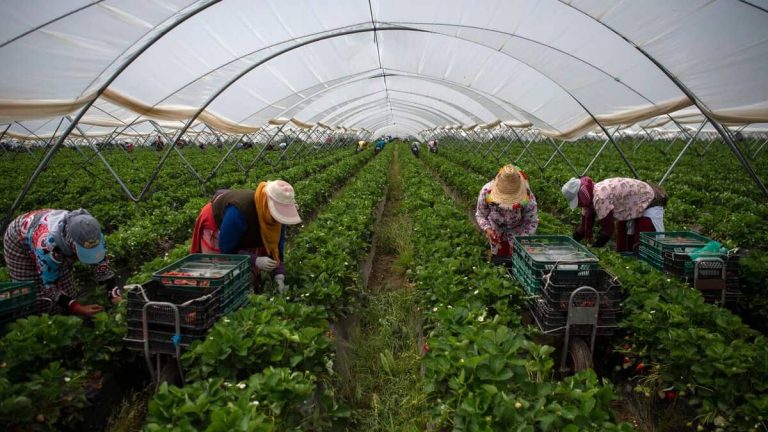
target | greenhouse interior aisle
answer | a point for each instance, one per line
(239, 215)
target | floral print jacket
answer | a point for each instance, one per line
(519, 221)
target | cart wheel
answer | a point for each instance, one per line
(579, 356)
(169, 371)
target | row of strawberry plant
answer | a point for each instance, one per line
(49, 365)
(270, 364)
(482, 370)
(105, 341)
(167, 215)
(136, 241)
(673, 340)
(313, 186)
(726, 218)
(726, 209)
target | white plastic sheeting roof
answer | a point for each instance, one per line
(235, 65)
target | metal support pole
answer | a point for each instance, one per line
(679, 156)
(2, 135)
(605, 143)
(229, 153)
(191, 169)
(760, 148)
(221, 162)
(263, 149)
(112, 172)
(621, 152)
(558, 151)
(525, 149)
(287, 146)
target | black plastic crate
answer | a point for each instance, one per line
(680, 264)
(197, 312)
(161, 341)
(609, 301)
(732, 296)
(554, 324)
(555, 315)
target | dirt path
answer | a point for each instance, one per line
(383, 382)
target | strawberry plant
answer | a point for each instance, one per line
(482, 370)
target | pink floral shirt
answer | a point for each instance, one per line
(627, 198)
(521, 221)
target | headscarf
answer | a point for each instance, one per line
(586, 189)
(269, 227)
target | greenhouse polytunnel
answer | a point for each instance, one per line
(381, 215)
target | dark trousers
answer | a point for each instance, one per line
(631, 242)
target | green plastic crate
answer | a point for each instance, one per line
(651, 256)
(533, 280)
(654, 246)
(547, 252)
(205, 272)
(675, 241)
(16, 295)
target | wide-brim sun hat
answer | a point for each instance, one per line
(85, 232)
(570, 191)
(510, 187)
(282, 202)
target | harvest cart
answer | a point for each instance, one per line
(569, 295)
(714, 273)
(180, 305)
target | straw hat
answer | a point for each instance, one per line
(510, 187)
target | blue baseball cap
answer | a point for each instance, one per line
(85, 232)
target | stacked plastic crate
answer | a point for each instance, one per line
(17, 300)
(680, 253)
(193, 293)
(550, 268)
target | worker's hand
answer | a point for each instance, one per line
(492, 235)
(281, 287)
(115, 295)
(265, 263)
(602, 239)
(85, 310)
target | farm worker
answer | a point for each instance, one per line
(415, 148)
(251, 223)
(360, 146)
(43, 245)
(432, 144)
(379, 146)
(506, 208)
(635, 206)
